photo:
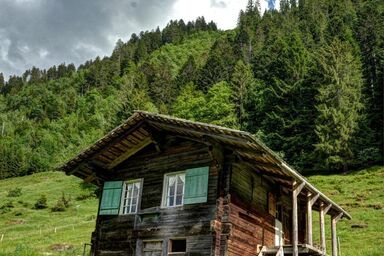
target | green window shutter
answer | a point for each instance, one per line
(196, 185)
(110, 200)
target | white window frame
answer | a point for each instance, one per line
(138, 203)
(165, 190)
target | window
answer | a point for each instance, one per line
(131, 196)
(174, 189)
(177, 247)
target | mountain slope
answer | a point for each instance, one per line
(28, 231)
(361, 193)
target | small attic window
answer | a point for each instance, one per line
(177, 247)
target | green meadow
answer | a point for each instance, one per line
(28, 231)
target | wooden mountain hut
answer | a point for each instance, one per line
(177, 187)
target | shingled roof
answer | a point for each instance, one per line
(96, 162)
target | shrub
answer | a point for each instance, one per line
(16, 192)
(58, 207)
(61, 204)
(87, 186)
(66, 200)
(41, 203)
(83, 197)
(24, 204)
(6, 207)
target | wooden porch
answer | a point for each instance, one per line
(303, 249)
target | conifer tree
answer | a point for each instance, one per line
(339, 104)
(2, 83)
(370, 35)
(187, 73)
(242, 83)
(218, 66)
(286, 115)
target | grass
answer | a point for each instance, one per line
(362, 195)
(27, 231)
(32, 232)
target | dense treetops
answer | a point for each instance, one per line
(307, 80)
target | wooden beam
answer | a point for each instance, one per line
(90, 178)
(295, 239)
(297, 188)
(310, 201)
(323, 211)
(261, 172)
(142, 144)
(334, 220)
(198, 133)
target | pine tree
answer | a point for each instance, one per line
(339, 104)
(242, 83)
(370, 35)
(219, 109)
(286, 116)
(190, 103)
(218, 66)
(187, 73)
(2, 83)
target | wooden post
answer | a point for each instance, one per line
(323, 211)
(295, 239)
(335, 219)
(310, 201)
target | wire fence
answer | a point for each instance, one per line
(12, 234)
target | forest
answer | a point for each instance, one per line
(307, 80)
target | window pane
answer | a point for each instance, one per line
(180, 188)
(179, 199)
(171, 201)
(129, 188)
(135, 190)
(172, 190)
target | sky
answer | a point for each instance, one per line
(44, 33)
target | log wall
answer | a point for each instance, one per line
(251, 224)
(125, 234)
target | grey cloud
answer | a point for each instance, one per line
(218, 4)
(45, 32)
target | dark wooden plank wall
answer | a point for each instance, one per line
(252, 225)
(118, 235)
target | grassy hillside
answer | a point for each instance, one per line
(28, 231)
(362, 195)
(32, 232)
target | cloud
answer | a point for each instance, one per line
(218, 4)
(45, 32)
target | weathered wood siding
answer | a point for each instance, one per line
(123, 234)
(251, 224)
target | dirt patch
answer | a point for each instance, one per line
(61, 247)
(15, 222)
(363, 225)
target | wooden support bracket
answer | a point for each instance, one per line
(297, 188)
